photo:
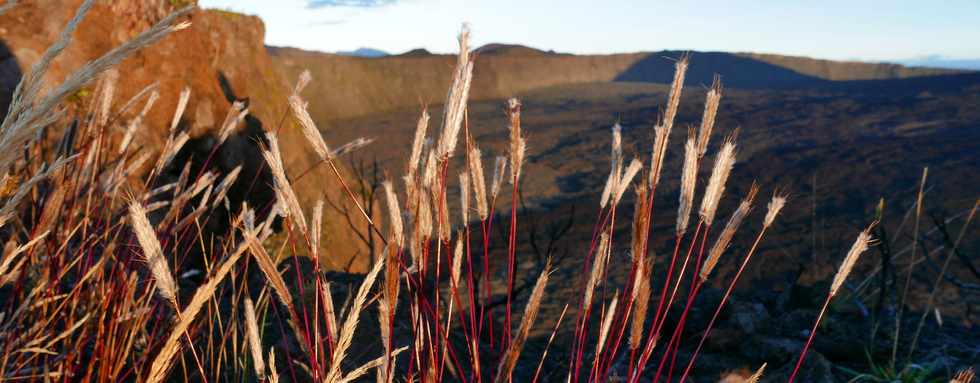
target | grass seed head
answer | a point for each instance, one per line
(689, 175)
(728, 233)
(859, 246)
(775, 205)
(712, 100)
(464, 197)
(152, 253)
(475, 167)
(716, 184)
(254, 343)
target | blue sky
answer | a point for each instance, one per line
(851, 30)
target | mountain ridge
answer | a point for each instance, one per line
(355, 86)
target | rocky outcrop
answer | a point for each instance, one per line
(221, 58)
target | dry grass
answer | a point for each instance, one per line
(152, 253)
(964, 376)
(91, 245)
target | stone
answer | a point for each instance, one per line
(221, 58)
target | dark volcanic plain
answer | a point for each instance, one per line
(839, 148)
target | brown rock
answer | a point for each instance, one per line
(221, 57)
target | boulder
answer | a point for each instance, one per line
(221, 58)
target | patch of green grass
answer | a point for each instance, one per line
(181, 3)
(884, 372)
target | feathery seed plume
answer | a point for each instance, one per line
(358, 372)
(308, 127)
(185, 95)
(674, 98)
(662, 130)
(475, 167)
(725, 238)
(284, 191)
(254, 344)
(394, 215)
(657, 155)
(616, 162)
(964, 376)
(416, 156)
(316, 228)
(716, 184)
(598, 269)
(757, 375)
(225, 185)
(464, 196)
(384, 325)
(304, 79)
(234, 117)
(689, 176)
(424, 218)
(170, 150)
(137, 122)
(456, 100)
(517, 140)
(625, 179)
(411, 193)
(268, 268)
(640, 222)
(350, 323)
(860, 245)
(327, 297)
(607, 324)
(431, 169)
(454, 272)
(641, 298)
(509, 361)
(152, 253)
(351, 146)
(710, 112)
(444, 224)
(617, 147)
(499, 167)
(273, 374)
(154, 96)
(775, 205)
(108, 92)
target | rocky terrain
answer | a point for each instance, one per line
(838, 147)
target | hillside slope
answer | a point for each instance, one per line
(347, 86)
(846, 70)
(836, 152)
(354, 86)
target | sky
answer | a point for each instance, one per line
(866, 30)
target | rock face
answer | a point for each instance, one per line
(221, 58)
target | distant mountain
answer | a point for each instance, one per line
(936, 61)
(417, 52)
(352, 86)
(364, 52)
(511, 49)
